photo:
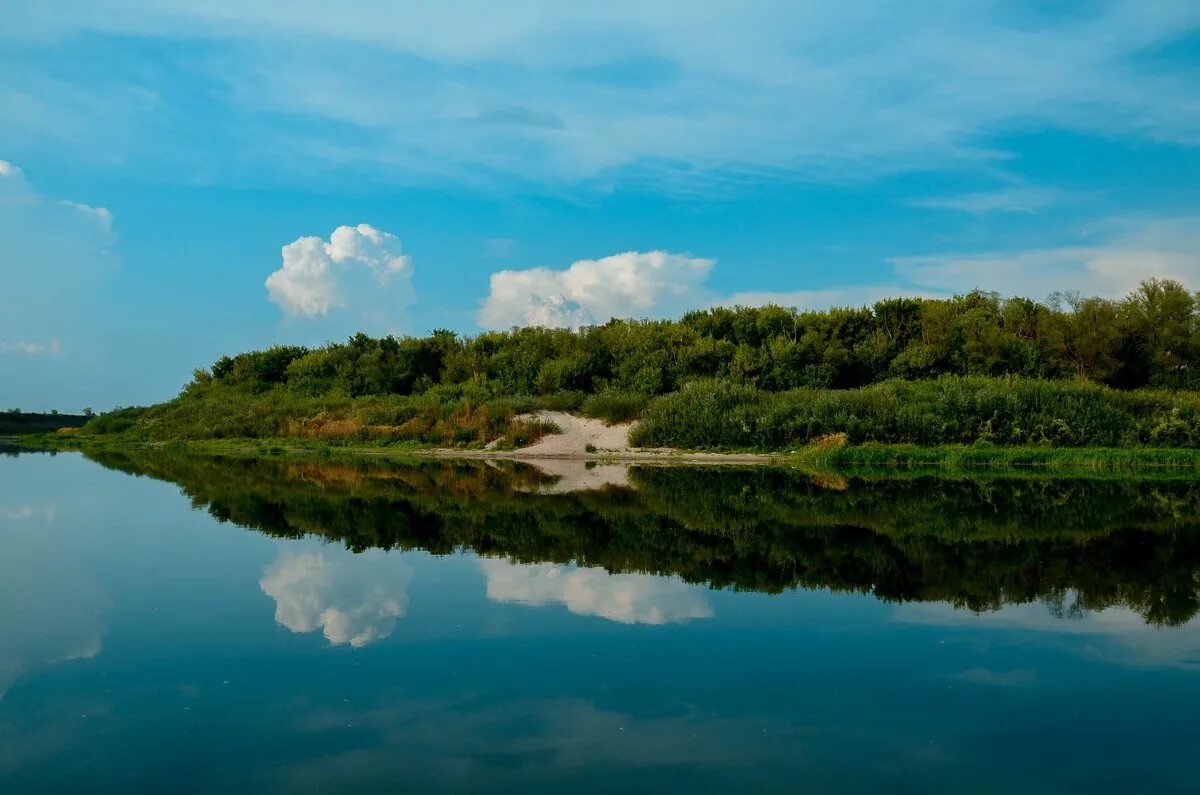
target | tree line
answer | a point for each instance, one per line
(1149, 338)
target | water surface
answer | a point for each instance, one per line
(193, 624)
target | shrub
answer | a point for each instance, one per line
(615, 405)
(949, 410)
(562, 401)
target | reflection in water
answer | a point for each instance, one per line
(50, 605)
(976, 543)
(352, 600)
(1079, 675)
(28, 513)
(624, 598)
(1133, 641)
(568, 475)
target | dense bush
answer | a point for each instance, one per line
(615, 405)
(975, 367)
(1151, 338)
(1011, 411)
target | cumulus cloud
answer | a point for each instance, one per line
(659, 283)
(360, 268)
(630, 284)
(624, 598)
(352, 599)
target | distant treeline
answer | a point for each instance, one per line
(1150, 338)
(980, 368)
(14, 421)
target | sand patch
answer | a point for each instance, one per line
(577, 434)
(575, 474)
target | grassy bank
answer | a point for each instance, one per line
(972, 458)
(1004, 412)
(968, 460)
(703, 415)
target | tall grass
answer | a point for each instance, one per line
(946, 411)
(615, 405)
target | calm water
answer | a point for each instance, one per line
(286, 626)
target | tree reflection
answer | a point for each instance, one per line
(972, 543)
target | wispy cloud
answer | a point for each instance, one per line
(840, 90)
(1024, 199)
(660, 284)
(27, 348)
(57, 252)
(1139, 250)
(1121, 634)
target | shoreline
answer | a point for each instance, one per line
(850, 458)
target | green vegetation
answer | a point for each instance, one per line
(974, 369)
(15, 422)
(950, 410)
(1072, 543)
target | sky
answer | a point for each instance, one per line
(183, 179)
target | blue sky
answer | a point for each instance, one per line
(175, 171)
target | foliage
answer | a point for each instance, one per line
(979, 367)
(976, 543)
(949, 410)
(615, 405)
(16, 422)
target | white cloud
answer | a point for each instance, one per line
(352, 599)
(624, 598)
(1133, 251)
(1019, 199)
(51, 348)
(57, 256)
(53, 606)
(658, 283)
(29, 513)
(360, 267)
(577, 90)
(1140, 250)
(1120, 634)
(630, 284)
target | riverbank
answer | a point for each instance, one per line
(849, 458)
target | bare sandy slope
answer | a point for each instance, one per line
(577, 434)
(575, 474)
(611, 443)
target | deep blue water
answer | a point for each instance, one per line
(146, 647)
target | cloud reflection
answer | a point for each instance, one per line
(624, 598)
(352, 599)
(1122, 634)
(29, 513)
(51, 607)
